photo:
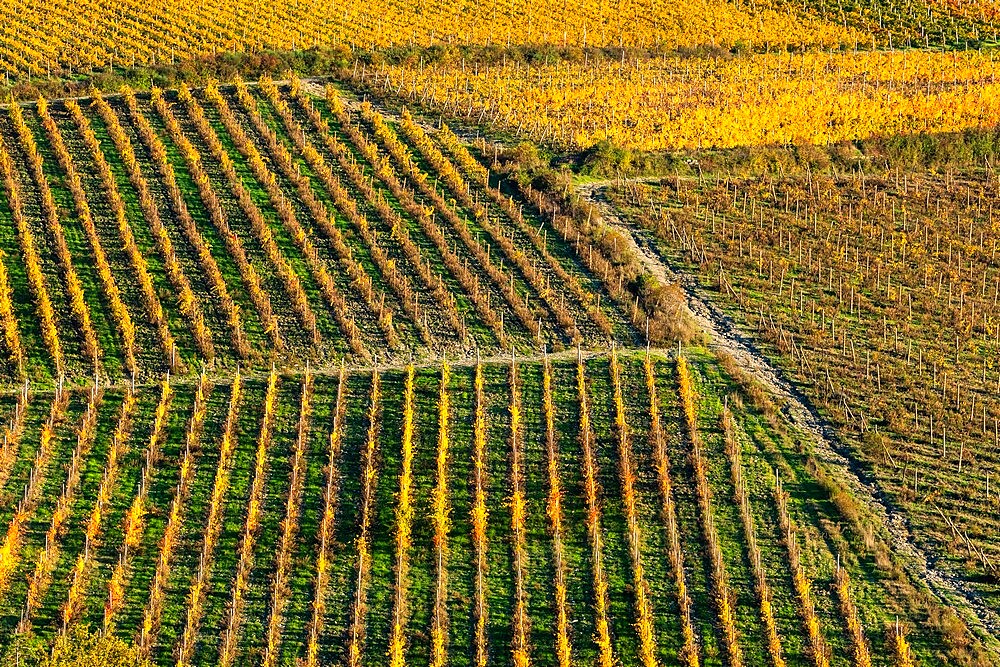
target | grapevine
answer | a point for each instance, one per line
(397, 225)
(8, 321)
(33, 265)
(135, 522)
(842, 583)
(251, 279)
(10, 549)
(347, 207)
(187, 302)
(356, 632)
(120, 312)
(360, 279)
(208, 263)
(331, 499)
(901, 648)
(41, 576)
(251, 527)
(387, 174)
(564, 647)
(480, 519)
(134, 525)
(803, 587)
(408, 294)
(723, 592)
(442, 524)
(154, 310)
(592, 494)
(280, 587)
(63, 38)
(261, 230)
(213, 527)
(478, 173)
(518, 510)
(12, 432)
(462, 191)
(73, 606)
(402, 157)
(763, 589)
(404, 529)
(668, 510)
(78, 301)
(627, 472)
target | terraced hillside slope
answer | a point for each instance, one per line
(251, 225)
(632, 508)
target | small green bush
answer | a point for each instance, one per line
(76, 648)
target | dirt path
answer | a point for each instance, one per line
(424, 360)
(724, 335)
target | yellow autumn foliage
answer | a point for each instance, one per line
(675, 102)
(46, 36)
